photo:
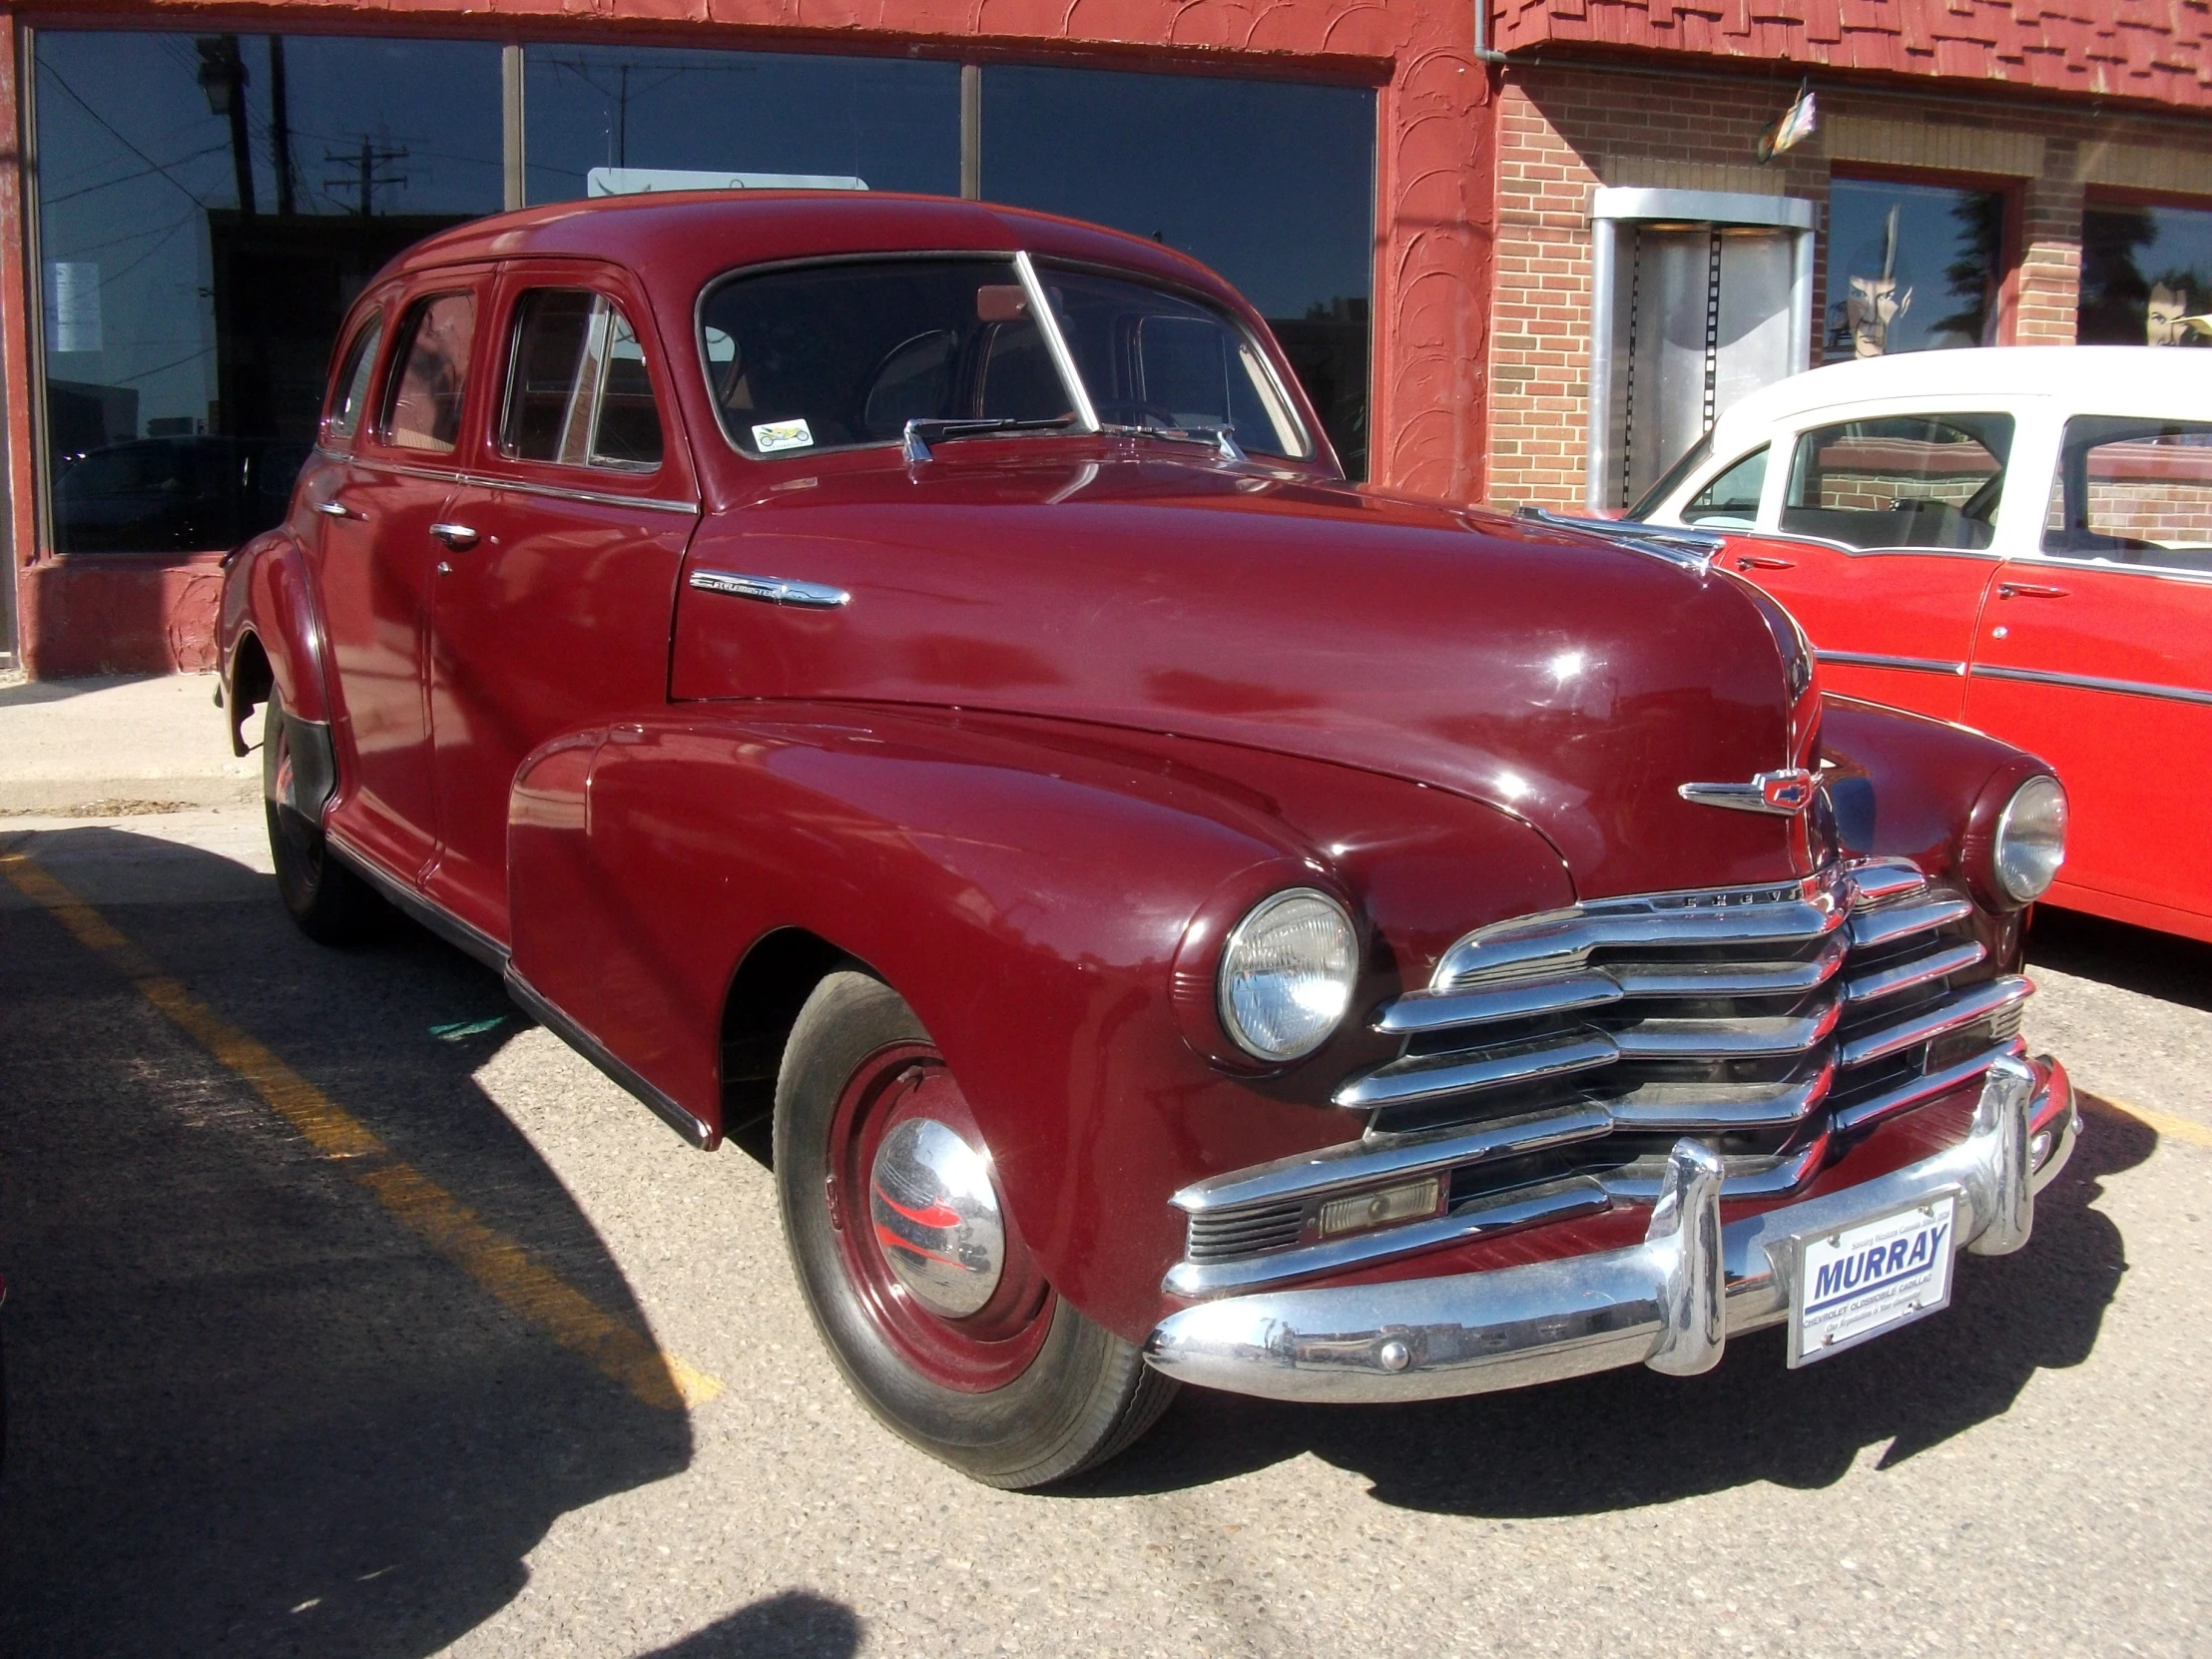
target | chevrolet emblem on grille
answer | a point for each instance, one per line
(1783, 792)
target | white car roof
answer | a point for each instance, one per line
(2078, 375)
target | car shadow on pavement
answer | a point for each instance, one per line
(253, 1409)
(1626, 1439)
(795, 1625)
(2163, 966)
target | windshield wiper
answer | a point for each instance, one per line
(1221, 440)
(921, 433)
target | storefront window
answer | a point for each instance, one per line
(1911, 267)
(209, 205)
(602, 121)
(1270, 182)
(2146, 277)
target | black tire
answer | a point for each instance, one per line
(1086, 1397)
(332, 905)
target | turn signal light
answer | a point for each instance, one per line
(1362, 1211)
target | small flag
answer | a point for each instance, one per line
(1795, 127)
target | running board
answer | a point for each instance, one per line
(475, 941)
(527, 997)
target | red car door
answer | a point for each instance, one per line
(1903, 508)
(378, 555)
(2098, 657)
(551, 597)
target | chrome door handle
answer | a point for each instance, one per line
(1761, 561)
(458, 537)
(771, 590)
(336, 509)
(2029, 590)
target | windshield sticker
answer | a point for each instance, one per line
(781, 435)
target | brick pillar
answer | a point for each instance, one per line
(2051, 250)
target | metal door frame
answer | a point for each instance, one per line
(1614, 207)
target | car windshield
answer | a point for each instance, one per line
(845, 353)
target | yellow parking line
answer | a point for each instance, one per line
(2181, 1129)
(612, 1346)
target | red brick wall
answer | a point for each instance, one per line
(1564, 128)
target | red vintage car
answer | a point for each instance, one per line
(913, 675)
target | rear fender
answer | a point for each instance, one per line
(269, 601)
(1029, 899)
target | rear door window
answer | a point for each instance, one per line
(422, 409)
(1901, 481)
(578, 391)
(2134, 491)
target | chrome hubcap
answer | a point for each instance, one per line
(938, 1217)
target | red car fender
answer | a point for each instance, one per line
(1029, 902)
(269, 600)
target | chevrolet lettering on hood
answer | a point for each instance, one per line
(906, 684)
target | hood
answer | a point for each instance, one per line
(1561, 678)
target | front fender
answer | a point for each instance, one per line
(1025, 886)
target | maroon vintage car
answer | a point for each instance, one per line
(912, 674)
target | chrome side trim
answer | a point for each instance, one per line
(1974, 1003)
(1672, 1301)
(407, 899)
(771, 590)
(477, 480)
(1869, 659)
(2090, 682)
(528, 998)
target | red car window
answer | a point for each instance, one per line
(424, 407)
(2134, 491)
(579, 393)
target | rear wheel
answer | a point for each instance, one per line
(332, 905)
(916, 1273)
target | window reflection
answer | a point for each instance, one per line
(2146, 277)
(615, 120)
(209, 205)
(1911, 267)
(1270, 182)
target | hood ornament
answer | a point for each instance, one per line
(1784, 794)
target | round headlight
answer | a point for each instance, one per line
(2032, 839)
(1285, 974)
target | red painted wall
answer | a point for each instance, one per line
(2159, 50)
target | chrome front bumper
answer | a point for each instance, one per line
(1670, 1303)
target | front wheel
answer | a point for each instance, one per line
(330, 904)
(916, 1273)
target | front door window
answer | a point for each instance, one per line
(580, 394)
(1901, 481)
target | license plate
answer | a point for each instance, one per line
(1857, 1281)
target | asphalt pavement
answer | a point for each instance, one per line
(349, 1312)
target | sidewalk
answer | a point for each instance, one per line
(118, 746)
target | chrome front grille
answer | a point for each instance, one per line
(1553, 1060)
